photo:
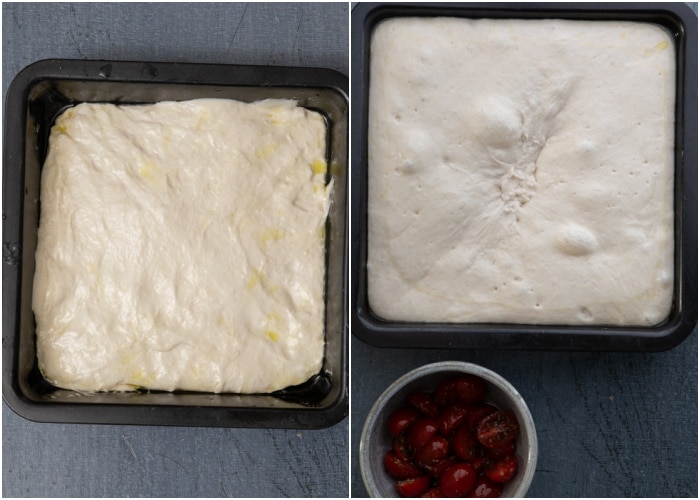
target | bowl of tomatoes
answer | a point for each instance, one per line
(449, 429)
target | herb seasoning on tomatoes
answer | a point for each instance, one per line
(451, 443)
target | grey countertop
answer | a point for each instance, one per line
(608, 424)
(117, 461)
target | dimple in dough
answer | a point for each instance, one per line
(181, 246)
(521, 171)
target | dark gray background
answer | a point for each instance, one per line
(608, 424)
(95, 461)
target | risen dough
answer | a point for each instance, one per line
(521, 171)
(181, 246)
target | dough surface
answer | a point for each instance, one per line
(181, 246)
(521, 171)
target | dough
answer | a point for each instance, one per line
(181, 246)
(521, 171)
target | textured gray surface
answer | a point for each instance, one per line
(609, 424)
(96, 461)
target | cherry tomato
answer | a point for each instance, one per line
(424, 403)
(413, 487)
(501, 451)
(502, 471)
(400, 446)
(452, 417)
(470, 389)
(457, 480)
(445, 392)
(400, 469)
(485, 488)
(437, 469)
(402, 418)
(421, 431)
(433, 451)
(480, 463)
(434, 493)
(465, 444)
(497, 429)
(478, 412)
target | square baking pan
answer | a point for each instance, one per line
(35, 97)
(682, 22)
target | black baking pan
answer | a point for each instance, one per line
(682, 22)
(35, 97)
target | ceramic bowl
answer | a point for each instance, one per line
(376, 440)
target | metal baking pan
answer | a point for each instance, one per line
(682, 22)
(35, 97)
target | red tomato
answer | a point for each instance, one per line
(485, 488)
(413, 487)
(465, 444)
(435, 450)
(501, 451)
(402, 418)
(437, 469)
(401, 448)
(434, 493)
(400, 469)
(457, 480)
(504, 470)
(497, 429)
(480, 463)
(424, 403)
(478, 413)
(420, 432)
(470, 389)
(452, 417)
(445, 392)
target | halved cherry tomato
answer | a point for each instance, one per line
(470, 389)
(413, 487)
(478, 412)
(497, 429)
(433, 451)
(437, 469)
(445, 392)
(434, 493)
(485, 488)
(465, 444)
(501, 451)
(402, 418)
(420, 432)
(400, 469)
(457, 480)
(424, 403)
(480, 463)
(452, 417)
(502, 471)
(400, 446)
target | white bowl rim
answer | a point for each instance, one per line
(455, 366)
